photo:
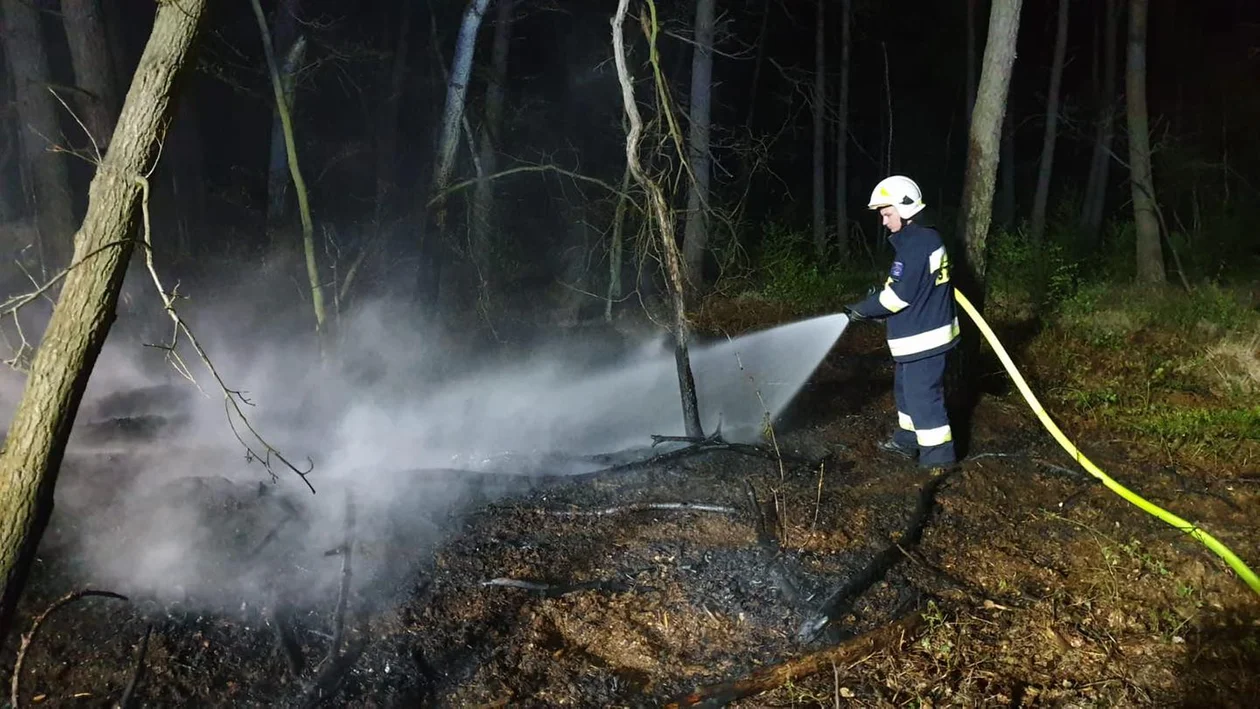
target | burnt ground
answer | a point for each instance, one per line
(1036, 586)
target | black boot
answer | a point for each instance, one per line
(892, 446)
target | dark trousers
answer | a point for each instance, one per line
(923, 424)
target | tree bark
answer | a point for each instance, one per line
(434, 241)
(288, 43)
(820, 135)
(81, 320)
(696, 231)
(970, 98)
(986, 130)
(842, 134)
(617, 248)
(299, 185)
(93, 66)
(1041, 197)
(490, 140)
(1095, 197)
(1150, 257)
(47, 185)
(664, 223)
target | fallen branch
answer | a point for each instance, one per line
(643, 507)
(557, 590)
(886, 638)
(841, 600)
(130, 692)
(29, 637)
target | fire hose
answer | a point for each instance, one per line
(1222, 551)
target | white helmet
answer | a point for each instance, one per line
(900, 193)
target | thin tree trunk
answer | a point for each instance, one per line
(820, 133)
(1095, 197)
(289, 48)
(1150, 257)
(1007, 207)
(387, 141)
(299, 184)
(986, 129)
(93, 67)
(696, 231)
(448, 144)
(286, 42)
(842, 134)
(617, 247)
(664, 223)
(1042, 196)
(36, 442)
(187, 173)
(490, 142)
(757, 64)
(47, 188)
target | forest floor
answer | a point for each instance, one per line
(1018, 579)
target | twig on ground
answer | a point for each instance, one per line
(886, 638)
(643, 507)
(289, 646)
(29, 637)
(556, 590)
(130, 692)
(232, 398)
(813, 527)
(343, 596)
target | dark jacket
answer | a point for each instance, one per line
(918, 298)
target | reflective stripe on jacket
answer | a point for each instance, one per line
(917, 298)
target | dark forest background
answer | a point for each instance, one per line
(369, 87)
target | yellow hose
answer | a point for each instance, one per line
(1208, 540)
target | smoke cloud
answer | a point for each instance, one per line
(158, 500)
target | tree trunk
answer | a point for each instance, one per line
(93, 67)
(1006, 206)
(820, 135)
(490, 141)
(387, 136)
(47, 187)
(664, 223)
(1042, 196)
(617, 248)
(299, 184)
(970, 98)
(986, 130)
(188, 174)
(288, 43)
(1095, 197)
(434, 241)
(1150, 257)
(696, 233)
(81, 320)
(842, 134)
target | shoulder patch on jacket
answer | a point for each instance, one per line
(897, 269)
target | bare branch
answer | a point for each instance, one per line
(232, 398)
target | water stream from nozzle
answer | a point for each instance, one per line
(543, 407)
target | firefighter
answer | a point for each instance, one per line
(917, 305)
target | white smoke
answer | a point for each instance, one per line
(156, 498)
